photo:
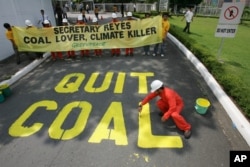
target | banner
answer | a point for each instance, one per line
(124, 34)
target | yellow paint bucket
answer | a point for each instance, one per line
(202, 105)
(5, 89)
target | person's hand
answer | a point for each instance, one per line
(139, 108)
(163, 119)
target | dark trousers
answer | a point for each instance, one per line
(187, 28)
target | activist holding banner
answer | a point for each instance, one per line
(112, 35)
(115, 51)
(30, 26)
(10, 37)
(70, 53)
(165, 29)
(98, 52)
(54, 55)
(129, 51)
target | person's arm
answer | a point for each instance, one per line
(146, 100)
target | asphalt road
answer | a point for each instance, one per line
(83, 112)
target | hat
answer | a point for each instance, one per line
(94, 20)
(114, 15)
(65, 20)
(129, 14)
(46, 22)
(155, 85)
(79, 17)
(28, 23)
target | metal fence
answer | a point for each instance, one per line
(207, 10)
(138, 7)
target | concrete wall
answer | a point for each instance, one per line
(15, 12)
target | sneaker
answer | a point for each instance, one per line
(187, 134)
(154, 54)
(162, 55)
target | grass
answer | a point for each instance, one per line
(235, 54)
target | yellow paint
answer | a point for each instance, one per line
(66, 85)
(142, 78)
(147, 140)
(102, 130)
(17, 129)
(55, 130)
(120, 82)
(105, 85)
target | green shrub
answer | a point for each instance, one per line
(231, 84)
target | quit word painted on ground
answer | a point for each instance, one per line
(72, 83)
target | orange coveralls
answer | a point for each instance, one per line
(171, 105)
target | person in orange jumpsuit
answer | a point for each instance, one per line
(170, 104)
(46, 24)
(129, 51)
(98, 52)
(81, 22)
(115, 51)
(70, 53)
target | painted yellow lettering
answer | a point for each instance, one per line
(55, 130)
(70, 83)
(120, 82)
(147, 140)
(18, 129)
(105, 84)
(142, 76)
(102, 131)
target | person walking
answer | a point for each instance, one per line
(87, 8)
(170, 104)
(96, 11)
(10, 37)
(85, 20)
(189, 18)
(129, 51)
(165, 29)
(59, 14)
(115, 51)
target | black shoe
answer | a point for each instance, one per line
(187, 134)
(126, 55)
(131, 54)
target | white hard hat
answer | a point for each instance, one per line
(156, 84)
(94, 20)
(28, 23)
(79, 17)
(65, 20)
(114, 15)
(46, 22)
(129, 14)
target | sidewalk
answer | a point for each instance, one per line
(8, 66)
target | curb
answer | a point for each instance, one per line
(25, 70)
(238, 119)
